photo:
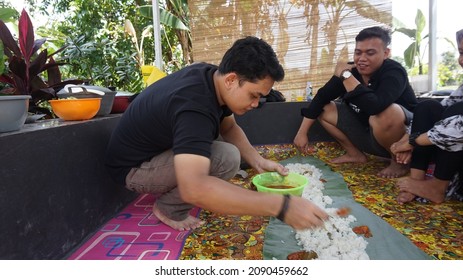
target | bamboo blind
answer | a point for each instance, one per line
(309, 36)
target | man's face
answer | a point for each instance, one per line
(369, 55)
(245, 96)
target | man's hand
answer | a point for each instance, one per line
(301, 141)
(341, 66)
(266, 165)
(401, 146)
(303, 214)
(403, 157)
(402, 150)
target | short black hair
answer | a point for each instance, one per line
(252, 59)
(375, 32)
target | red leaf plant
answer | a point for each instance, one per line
(25, 66)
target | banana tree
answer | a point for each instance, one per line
(413, 53)
(176, 17)
(129, 29)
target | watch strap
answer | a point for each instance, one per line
(342, 74)
(412, 138)
(282, 214)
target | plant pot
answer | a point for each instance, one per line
(420, 83)
(13, 112)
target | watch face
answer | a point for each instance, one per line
(346, 74)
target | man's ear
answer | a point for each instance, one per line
(230, 79)
(387, 52)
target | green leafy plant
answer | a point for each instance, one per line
(413, 53)
(25, 65)
(105, 62)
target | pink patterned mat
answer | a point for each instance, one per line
(134, 234)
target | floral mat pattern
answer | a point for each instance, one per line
(434, 228)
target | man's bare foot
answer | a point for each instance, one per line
(189, 223)
(394, 170)
(404, 197)
(347, 158)
(432, 189)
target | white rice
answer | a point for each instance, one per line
(336, 240)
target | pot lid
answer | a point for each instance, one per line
(81, 89)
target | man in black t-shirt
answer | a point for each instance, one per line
(166, 142)
(374, 103)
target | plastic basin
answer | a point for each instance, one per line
(76, 109)
(13, 112)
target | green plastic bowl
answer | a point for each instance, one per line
(273, 182)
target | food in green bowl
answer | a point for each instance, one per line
(273, 182)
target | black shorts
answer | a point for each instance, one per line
(357, 128)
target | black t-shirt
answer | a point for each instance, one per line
(179, 112)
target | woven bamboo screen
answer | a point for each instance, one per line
(308, 35)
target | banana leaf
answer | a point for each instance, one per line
(165, 18)
(385, 244)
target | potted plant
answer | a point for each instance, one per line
(22, 76)
(13, 109)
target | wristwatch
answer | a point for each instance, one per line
(345, 74)
(412, 138)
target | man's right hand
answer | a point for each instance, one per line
(303, 214)
(301, 141)
(402, 150)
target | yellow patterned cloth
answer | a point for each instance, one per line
(434, 228)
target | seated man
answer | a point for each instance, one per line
(373, 106)
(166, 142)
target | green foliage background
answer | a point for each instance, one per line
(99, 50)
